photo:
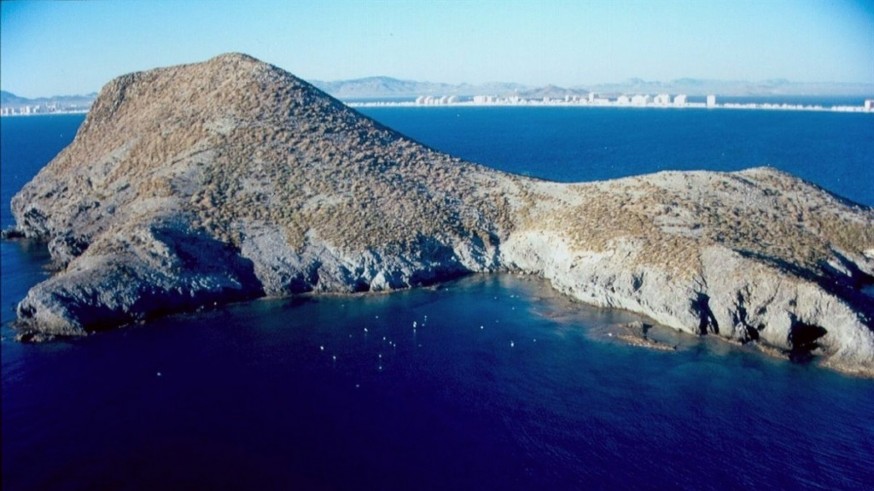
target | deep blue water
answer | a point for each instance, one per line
(503, 384)
(834, 150)
(26, 145)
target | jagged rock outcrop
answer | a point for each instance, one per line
(232, 179)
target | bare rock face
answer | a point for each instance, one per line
(231, 179)
(753, 256)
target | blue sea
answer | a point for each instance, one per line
(503, 384)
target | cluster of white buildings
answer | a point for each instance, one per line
(425, 100)
(679, 100)
(39, 109)
(22, 110)
(594, 100)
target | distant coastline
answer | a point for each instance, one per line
(662, 101)
(773, 95)
(52, 113)
(14, 105)
(387, 88)
(510, 102)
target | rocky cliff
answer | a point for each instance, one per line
(232, 179)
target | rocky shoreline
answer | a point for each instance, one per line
(231, 179)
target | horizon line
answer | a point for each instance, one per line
(629, 81)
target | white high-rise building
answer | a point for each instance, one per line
(662, 99)
(711, 100)
(680, 100)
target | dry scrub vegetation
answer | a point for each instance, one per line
(672, 216)
(235, 141)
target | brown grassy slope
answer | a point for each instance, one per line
(235, 140)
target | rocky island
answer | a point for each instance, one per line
(231, 179)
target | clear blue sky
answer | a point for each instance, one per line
(51, 47)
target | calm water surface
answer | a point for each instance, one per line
(502, 384)
(570, 144)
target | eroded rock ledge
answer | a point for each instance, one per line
(232, 179)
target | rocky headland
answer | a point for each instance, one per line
(231, 179)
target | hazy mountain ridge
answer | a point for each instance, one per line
(10, 100)
(388, 87)
(739, 88)
(382, 87)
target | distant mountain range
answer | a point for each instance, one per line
(391, 88)
(387, 87)
(61, 102)
(774, 87)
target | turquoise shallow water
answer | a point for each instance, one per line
(503, 384)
